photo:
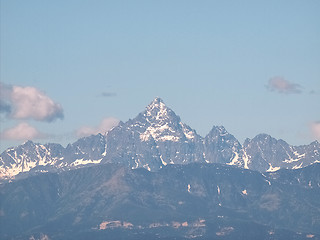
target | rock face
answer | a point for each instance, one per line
(202, 201)
(222, 147)
(32, 158)
(155, 138)
(269, 154)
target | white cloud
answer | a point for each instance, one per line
(315, 130)
(28, 103)
(105, 125)
(22, 131)
(282, 85)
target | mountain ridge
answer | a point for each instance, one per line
(155, 138)
(197, 200)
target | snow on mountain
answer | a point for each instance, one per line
(222, 147)
(269, 154)
(163, 124)
(33, 158)
(30, 156)
(155, 138)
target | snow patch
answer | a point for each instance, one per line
(85, 162)
(291, 160)
(187, 132)
(234, 160)
(137, 163)
(205, 159)
(246, 160)
(105, 152)
(157, 131)
(146, 166)
(163, 162)
(297, 166)
(272, 169)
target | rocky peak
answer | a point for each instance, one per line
(158, 111)
(153, 139)
(160, 122)
(28, 144)
(218, 131)
(263, 137)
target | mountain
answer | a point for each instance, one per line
(201, 201)
(33, 158)
(155, 138)
(154, 177)
(222, 147)
(269, 154)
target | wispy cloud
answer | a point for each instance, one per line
(313, 92)
(108, 94)
(23, 131)
(281, 85)
(28, 103)
(105, 125)
(315, 129)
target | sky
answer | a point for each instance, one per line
(74, 68)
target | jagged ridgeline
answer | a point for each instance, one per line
(154, 177)
(155, 138)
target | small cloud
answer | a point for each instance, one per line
(108, 94)
(282, 85)
(22, 131)
(28, 103)
(105, 125)
(315, 129)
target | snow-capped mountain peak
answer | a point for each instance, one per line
(153, 139)
(161, 123)
(158, 111)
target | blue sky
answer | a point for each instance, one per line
(71, 68)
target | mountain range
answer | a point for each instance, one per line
(190, 201)
(154, 177)
(155, 138)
